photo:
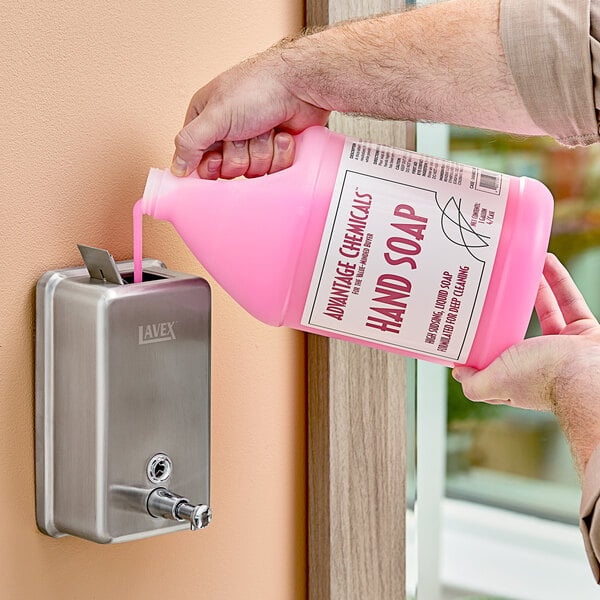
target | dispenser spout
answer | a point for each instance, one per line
(166, 504)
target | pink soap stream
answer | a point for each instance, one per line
(137, 242)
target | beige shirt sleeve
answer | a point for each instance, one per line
(553, 51)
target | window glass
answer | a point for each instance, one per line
(501, 455)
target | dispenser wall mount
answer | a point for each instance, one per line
(122, 404)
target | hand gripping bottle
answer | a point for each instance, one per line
(367, 243)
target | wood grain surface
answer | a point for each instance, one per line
(356, 422)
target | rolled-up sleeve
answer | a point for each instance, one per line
(589, 513)
(553, 51)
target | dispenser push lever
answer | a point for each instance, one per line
(166, 504)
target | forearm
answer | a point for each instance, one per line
(576, 402)
(441, 63)
(583, 435)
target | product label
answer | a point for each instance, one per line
(407, 251)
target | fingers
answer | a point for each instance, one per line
(568, 298)
(267, 153)
(260, 150)
(210, 165)
(283, 153)
(270, 153)
(235, 159)
(551, 319)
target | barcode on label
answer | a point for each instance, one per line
(489, 182)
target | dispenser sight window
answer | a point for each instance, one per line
(159, 468)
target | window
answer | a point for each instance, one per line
(497, 495)
(500, 455)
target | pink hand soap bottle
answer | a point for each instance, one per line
(367, 243)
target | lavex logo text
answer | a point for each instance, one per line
(156, 332)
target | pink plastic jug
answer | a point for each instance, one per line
(367, 243)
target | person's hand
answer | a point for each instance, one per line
(387, 66)
(253, 113)
(558, 371)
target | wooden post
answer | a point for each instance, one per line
(356, 424)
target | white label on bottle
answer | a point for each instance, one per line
(407, 251)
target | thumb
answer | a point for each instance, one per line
(521, 376)
(195, 138)
(491, 384)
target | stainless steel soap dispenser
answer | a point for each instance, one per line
(122, 401)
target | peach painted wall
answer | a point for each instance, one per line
(92, 95)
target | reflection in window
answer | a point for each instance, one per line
(501, 455)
